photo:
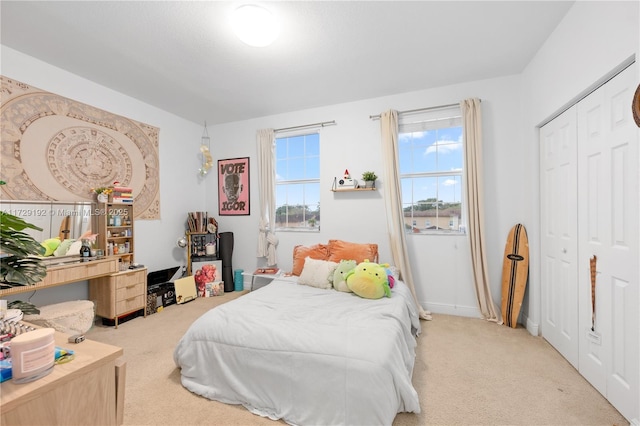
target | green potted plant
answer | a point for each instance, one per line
(102, 193)
(19, 264)
(369, 179)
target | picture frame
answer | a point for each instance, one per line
(233, 187)
(208, 277)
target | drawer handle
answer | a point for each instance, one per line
(130, 299)
(130, 286)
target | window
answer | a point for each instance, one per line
(298, 182)
(431, 170)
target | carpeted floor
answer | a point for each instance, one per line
(467, 372)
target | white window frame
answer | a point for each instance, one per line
(284, 182)
(426, 120)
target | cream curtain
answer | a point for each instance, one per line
(393, 203)
(472, 131)
(267, 240)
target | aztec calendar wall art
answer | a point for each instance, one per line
(57, 149)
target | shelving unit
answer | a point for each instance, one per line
(111, 231)
(196, 248)
(125, 291)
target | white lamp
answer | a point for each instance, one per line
(254, 25)
(181, 242)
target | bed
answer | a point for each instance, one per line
(307, 355)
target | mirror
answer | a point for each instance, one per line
(67, 220)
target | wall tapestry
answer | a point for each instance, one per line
(233, 187)
(56, 149)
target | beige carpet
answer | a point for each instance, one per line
(467, 372)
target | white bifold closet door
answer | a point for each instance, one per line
(590, 208)
(559, 234)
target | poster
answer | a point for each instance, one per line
(208, 278)
(233, 187)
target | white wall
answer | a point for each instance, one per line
(180, 188)
(592, 41)
(440, 263)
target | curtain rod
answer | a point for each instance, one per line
(377, 116)
(304, 126)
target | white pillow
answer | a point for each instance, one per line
(317, 273)
(63, 248)
(74, 248)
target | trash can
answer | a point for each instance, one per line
(238, 280)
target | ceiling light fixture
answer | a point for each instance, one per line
(255, 25)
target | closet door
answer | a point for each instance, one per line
(558, 196)
(608, 228)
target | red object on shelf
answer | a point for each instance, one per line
(266, 271)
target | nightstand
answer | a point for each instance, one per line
(263, 278)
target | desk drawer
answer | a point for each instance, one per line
(129, 278)
(79, 271)
(130, 304)
(129, 291)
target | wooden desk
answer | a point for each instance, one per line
(80, 392)
(68, 271)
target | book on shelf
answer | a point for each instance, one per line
(201, 223)
(122, 200)
(266, 271)
(121, 189)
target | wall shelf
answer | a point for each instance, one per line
(350, 188)
(354, 189)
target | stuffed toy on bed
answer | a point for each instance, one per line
(369, 280)
(339, 275)
(50, 245)
(390, 277)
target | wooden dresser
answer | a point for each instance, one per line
(88, 390)
(120, 293)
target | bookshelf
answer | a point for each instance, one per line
(113, 222)
(202, 239)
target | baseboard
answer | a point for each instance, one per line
(461, 311)
(532, 327)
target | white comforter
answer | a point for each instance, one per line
(306, 355)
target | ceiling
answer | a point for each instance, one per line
(182, 57)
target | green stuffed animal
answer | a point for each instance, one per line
(339, 275)
(369, 280)
(50, 245)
